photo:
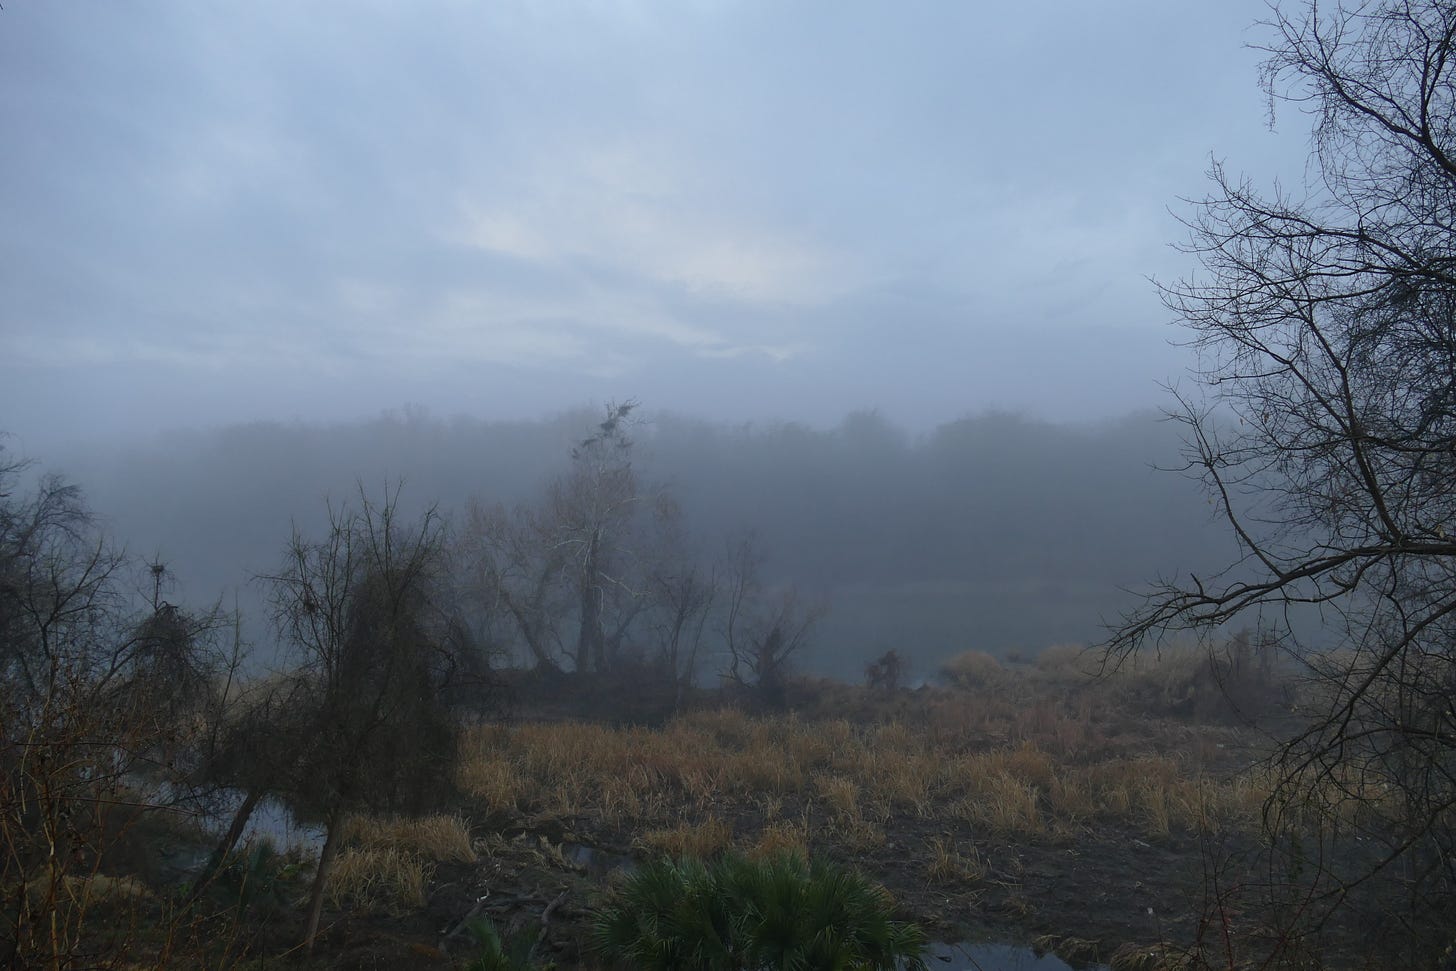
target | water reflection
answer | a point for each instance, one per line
(273, 821)
(595, 861)
(996, 957)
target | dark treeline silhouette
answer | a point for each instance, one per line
(995, 531)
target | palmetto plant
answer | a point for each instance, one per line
(497, 953)
(737, 914)
(669, 914)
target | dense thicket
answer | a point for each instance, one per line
(106, 690)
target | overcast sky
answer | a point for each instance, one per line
(274, 209)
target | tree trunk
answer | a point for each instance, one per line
(229, 840)
(613, 645)
(531, 635)
(316, 898)
(589, 639)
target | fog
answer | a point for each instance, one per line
(808, 240)
(995, 531)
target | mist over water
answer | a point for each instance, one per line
(994, 531)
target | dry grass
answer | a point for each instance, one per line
(387, 862)
(1071, 799)
(703, 839)
(705, 764)
(1004, 805)
(839, 793)
(906, 784)
(899, 780)
(390, 880)
(1033, 757)
(1025, 763)
(949, 865)
(856, 834)
(439, 838)
(494, 782)
(1149, 957)
(778, 838)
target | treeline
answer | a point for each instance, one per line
(994, 531)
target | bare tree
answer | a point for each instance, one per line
(762, 628)
(59, 590)
(359, 612)
(594, 507)
(680, 596)
(581, 556)
(513, 571)
(1325, 432)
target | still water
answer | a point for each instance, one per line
(995, 957)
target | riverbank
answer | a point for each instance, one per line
(1027, 803)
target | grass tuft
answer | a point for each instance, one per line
(949, 866)
(390, 880)
(439, 838)
(701, 840)
(779, 839)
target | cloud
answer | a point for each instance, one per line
(778, 353)
(671, 196)
(638, 209)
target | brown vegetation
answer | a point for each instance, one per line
(998, 762)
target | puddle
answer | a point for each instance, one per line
(596, 862)
(184, 858)
(997, 957)
(272, 821)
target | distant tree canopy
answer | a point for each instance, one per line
(992, 531)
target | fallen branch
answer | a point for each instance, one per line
(463, 922)
(546, 919)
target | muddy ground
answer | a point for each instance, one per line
(1103, 892)
(1084, 900)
